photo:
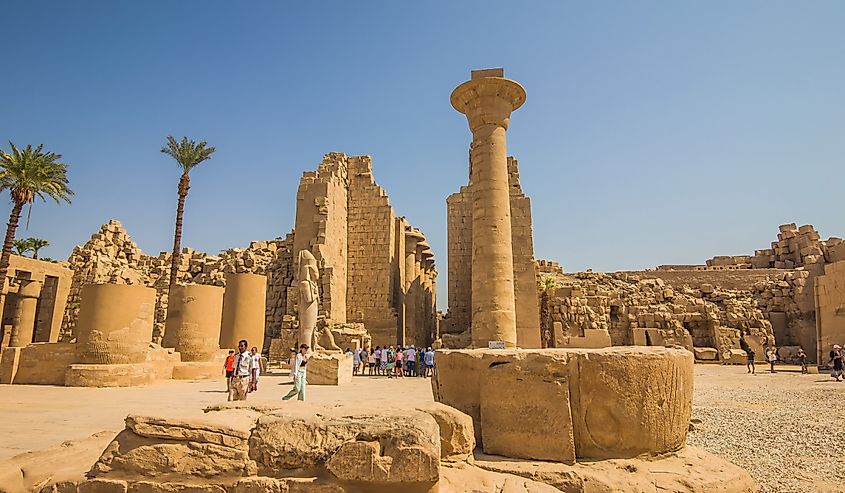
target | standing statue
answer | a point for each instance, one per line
(309, 295)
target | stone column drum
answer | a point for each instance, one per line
(487, 100)
(243, 310)
(194, 315)
(23, 323)
(115, 323)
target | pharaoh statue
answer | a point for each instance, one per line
(309, 295)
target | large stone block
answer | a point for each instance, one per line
(45, 363)
(624, 401)
(526, 415)
(329, 369)
(354, 443)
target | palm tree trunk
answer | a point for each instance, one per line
(14, 217)
(184, 186)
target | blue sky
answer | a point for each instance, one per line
(654, 131)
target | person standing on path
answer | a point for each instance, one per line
(772, 356)
(749, 356)
(802, 360)
(300, 382)
(836, 359)
(256, 361)
(244, 376)
(229, 367)
(371, 362)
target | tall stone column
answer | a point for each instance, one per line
(487, 100)
(412, 273)
(26, 304)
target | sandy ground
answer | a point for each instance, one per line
(780, 427)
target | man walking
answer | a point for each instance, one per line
(244, 373)
(299, 380)
(229, 368)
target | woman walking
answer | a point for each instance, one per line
(299, 381)
(836, 359)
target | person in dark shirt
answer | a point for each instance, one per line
(749, 356)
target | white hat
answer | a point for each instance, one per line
(837, 346)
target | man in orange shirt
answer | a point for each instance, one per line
(229, 366)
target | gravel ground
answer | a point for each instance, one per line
(783, 428)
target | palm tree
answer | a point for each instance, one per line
(188, 154)
(546, 284)
(29, 173)
(22, 245)
(36, 244)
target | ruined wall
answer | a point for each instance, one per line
(322, 228)
(459, 228)
(830, 309)
(110, 256)
(372, 252)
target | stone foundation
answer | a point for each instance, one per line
(623, 401)
(129, 375)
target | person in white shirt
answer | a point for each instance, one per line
(300, 382)
(356, 361)
(244, 373)
(371, 361)
(256, 361)
(410, 358)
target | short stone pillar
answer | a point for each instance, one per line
(243, 310)
(115, 323)
(26, 304)
(194, 315)
(487, 100)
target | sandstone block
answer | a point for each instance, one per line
(102, 486)
(525, 415)
(171, 487)
(457, 437)
(329, 369)
(259, 485)
(624, 401)
(706, 353)
(307, 435)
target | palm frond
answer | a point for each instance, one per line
(188, 153)
(30, 172)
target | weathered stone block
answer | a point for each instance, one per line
(525, 415)
(128, 375)
(329, 369)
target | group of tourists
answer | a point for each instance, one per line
(242, 371)
(399, 362)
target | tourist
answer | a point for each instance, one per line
(377, 354)
(429, 362)
(836, 359)
(292, 363)
(229, 367)
(398, 367)
(802, 360)
(356, 361)
(772, 357)
(371, 362)
(256, 360)
(749, 356)
(300, 382)
(244, 373)
(410, 359)
(387, 361)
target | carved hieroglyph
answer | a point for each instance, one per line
(307, 277)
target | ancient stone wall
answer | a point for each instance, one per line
(459, 228)
(322, 203)
(372, 249)
(830, 309)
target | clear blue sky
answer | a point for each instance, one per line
(654, 132)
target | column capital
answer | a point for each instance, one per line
(488, 99)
